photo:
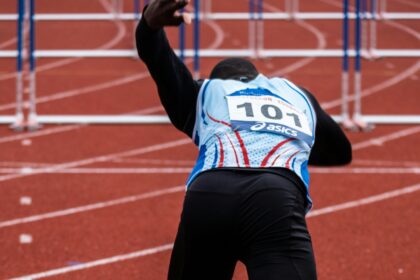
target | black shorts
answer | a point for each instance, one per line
(257, 218)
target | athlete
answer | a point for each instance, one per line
(248, 193)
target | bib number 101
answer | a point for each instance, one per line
(269, 111)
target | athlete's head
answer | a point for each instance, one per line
(234, 69)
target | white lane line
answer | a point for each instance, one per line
(364, 170)
(101, 170)
(154, 250)
(96, 263)
(187, 170)
(364, 201)
(378, 141)
(90, 207)
(155, 161)
(103, 158)
(54, 168)
(386, 163)
(54, 130)
(379, 87)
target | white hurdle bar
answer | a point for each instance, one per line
(211, 53)
(7, 119)
(213, 16)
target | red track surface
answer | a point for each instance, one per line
(91, 166)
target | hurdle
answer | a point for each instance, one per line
(256, 49)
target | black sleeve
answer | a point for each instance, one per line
(331, 144)
(177, 89)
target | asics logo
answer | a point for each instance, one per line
(258, 126)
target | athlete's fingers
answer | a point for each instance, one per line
(187, 18)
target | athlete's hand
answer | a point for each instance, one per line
(162, 13)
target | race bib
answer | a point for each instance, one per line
(268, 114)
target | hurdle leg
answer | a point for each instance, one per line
(373, 29)
(32, 118)
(18, 124)
(346, 121)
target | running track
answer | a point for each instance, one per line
(105, 200)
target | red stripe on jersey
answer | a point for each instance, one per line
(221, 151)
(234, 150)
(243, 148)
(218, 121)
(271, 153)
(290, 158)
(279, 155)
(238, 136)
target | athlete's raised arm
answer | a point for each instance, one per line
(177, 89)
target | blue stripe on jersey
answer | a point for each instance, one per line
(203, 115)
(293, 163)
(199, 164)
(216, 155)
(306, 100)
(305, 173)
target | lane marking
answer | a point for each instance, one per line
(90, 207)
(378, 141)
(25, 200)
(60, 129)
(103, 158)
(166, 247)
(188, 163)
(364, 201)
(366, 170)
(25, 238)
(187, 170)
(386, 162)
(100, 170)
(119, 258)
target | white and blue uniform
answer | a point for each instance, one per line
(264, 123)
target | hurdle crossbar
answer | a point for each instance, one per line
(8, 54)
(214, 16)
(211, 53)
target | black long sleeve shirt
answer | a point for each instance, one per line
(178, 93)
